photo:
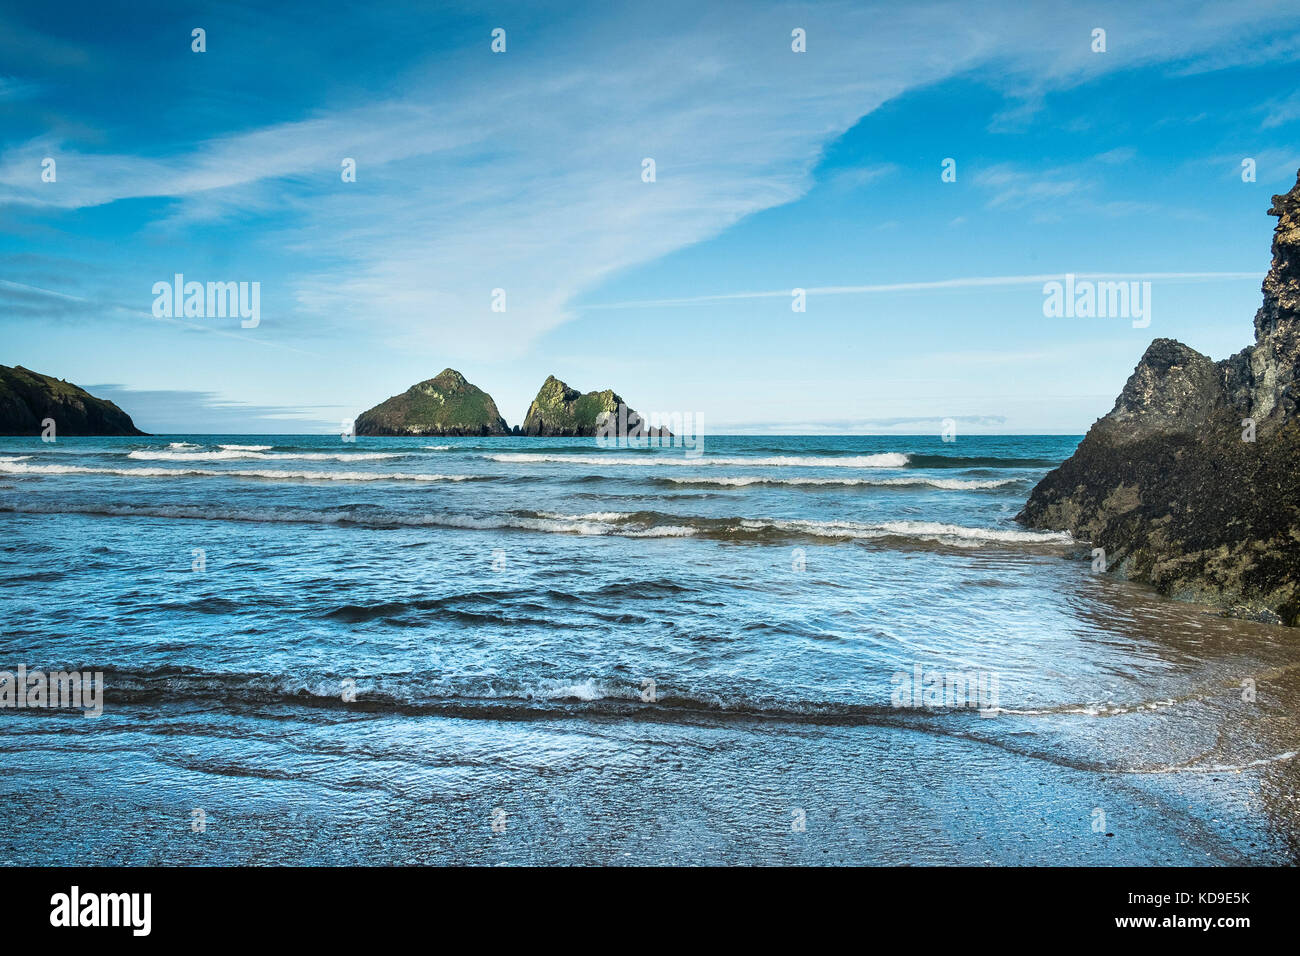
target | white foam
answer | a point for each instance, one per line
(634, 525)
(594, 524)
(625, 524)
(884, 460)
(436, 447)
(948, 484)
(246, 447)
(587, 516)
(1219, 767)
(588, 690)
(918, 530)
(233, 453)
(17, 468)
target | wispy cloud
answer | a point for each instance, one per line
(1282, 111)
(968, 282)
(176, 411)
(1014, 186)
(1275, 164)
(12, 88)
(523, 171)
(27, 301)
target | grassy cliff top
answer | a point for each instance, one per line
(27, 398)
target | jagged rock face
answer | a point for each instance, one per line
(561, 411)
(1276, 356)
(27, 398)
(445, 405)
(1167, 482)
(1173, 388)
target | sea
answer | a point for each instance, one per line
(781, 650)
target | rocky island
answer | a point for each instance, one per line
(445, 405)
(561, 411)
(27, 398)
(1192, 482)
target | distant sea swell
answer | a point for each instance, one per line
(640, 524)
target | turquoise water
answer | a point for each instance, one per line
(540, 650)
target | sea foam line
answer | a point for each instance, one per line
(919, 530)
(623, 524)
(884, 460)
(948, 484)
(19, 468)
(182, 445)
(256, 452)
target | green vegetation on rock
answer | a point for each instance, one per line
(565, 412)
(445, 405)
(27, 398)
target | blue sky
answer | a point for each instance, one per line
(522, 170)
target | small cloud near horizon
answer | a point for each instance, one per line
(179, 412)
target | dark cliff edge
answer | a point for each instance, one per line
(27, 398)
(1170, 483)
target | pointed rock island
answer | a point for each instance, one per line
(1192, 482)
(564, 412)
(445, 405)
(27, 398)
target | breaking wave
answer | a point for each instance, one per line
(956, 461)
(884, 460)
(948, 484)
(236, 452)
(430, 693)
(273, 474)
(639, 524)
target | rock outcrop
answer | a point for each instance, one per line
(561, 411)
(1192, 481)
(445, 405)
(27, 398)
